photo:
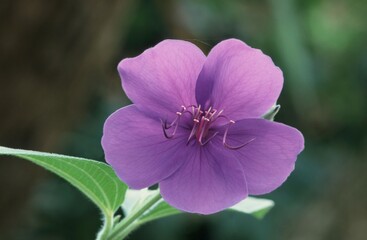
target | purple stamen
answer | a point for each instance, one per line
(202, 121)
(225, 144)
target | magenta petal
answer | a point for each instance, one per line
(270, 155)
(163, 78)
(208, 181)
(134, 145)
(239, 79)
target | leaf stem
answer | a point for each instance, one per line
(128, 224)
(126, 231)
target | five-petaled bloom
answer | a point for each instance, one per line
(195, 126)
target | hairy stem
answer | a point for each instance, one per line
(107, 226)
(129, 223)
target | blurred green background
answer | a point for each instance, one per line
(59, 83)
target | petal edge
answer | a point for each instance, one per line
(162, 78)
(239, 79)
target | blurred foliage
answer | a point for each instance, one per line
(321, 47)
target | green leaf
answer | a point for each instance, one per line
(257, 207)
(134, 199)
(271, 113)
(95, 179)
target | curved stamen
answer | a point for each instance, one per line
(225, 144)
(225, 117)
(237, 147)
(209, 139)
(175, 123)
(207, 112)
(202, 122)
(179, 114)
(212, 114)
(165, 128)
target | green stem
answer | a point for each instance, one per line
(128, 224)
(126, 231)
(107, 226)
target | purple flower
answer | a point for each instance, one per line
(195, 126)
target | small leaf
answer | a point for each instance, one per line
(271, 113)
(258, 207)
(95, 179)
(135, 198)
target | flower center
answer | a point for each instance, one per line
(202, 120)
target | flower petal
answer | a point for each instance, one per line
(134, 145)
(207, 182)
(163, 78)
(270, 155)
(239, 79)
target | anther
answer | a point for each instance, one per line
(208, 111)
